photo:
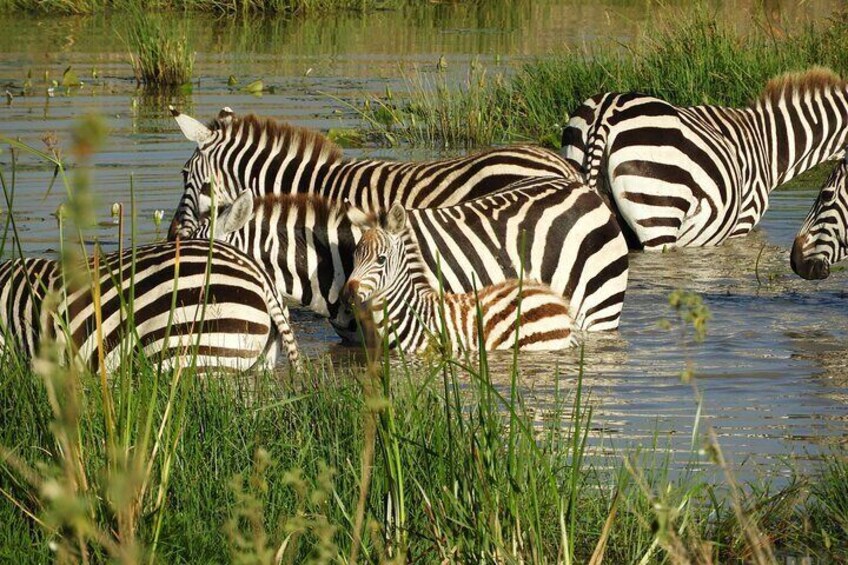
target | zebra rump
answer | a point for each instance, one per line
(555, 231)
(214, 308)
(696, 176)
(264, 156)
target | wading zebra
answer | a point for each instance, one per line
(263, 156)
(225, 309)
(389, 284)
(823, 239)
(699, 175)
(563, 233)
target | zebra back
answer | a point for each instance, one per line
(263, 156)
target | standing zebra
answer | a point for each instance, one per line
(560, 231)
(389, 283)
(177, 299)
(263, 156)
(823, 239)
(699, 175)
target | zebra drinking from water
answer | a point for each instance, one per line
(263, 156)
(560, 232)
(389, 284)
(696, 176)
(174, 299)
(823, 239)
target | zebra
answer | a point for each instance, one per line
(823, 239)
(558, 231)
(176, 299)
(696, 176)
(388, 283)
(268, 157)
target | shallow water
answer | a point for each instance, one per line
(772, 372)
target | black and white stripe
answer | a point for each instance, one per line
(561, 231)
(388, 284)
(696, 176)
(225, 309)
(823, 239)
(235, 154)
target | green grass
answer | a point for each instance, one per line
(388, 460)
(256, 7)
(160, 52)
(687, 58)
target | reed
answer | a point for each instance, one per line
(160, 52)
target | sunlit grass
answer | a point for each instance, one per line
(252, 7)
(688, 58)
(387, 460)
(159, 50)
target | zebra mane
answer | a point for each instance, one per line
(288, 135)
(324, 208)
(789, 85)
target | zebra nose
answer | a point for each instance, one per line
(808, 268)
(351, 291)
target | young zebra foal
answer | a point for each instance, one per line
(388, 283)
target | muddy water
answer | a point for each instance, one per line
(772, 372)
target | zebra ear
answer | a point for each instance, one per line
(396, 219)
(359, 217)
(225, 116)
(236, 215)
(191, 128)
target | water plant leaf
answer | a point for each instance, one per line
(232, 81)
(70, 78)
(346, 137)
(255, 87)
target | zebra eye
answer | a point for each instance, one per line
(381, 260)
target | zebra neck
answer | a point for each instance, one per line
(795, 133)
(307, 252)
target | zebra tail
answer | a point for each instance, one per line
(282, 320)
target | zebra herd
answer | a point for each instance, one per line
(525, 244)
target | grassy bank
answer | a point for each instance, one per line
(687, 58)
(425, 464)
(262, 7)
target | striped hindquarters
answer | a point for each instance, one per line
(177, 302)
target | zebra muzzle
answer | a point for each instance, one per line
(810, 268)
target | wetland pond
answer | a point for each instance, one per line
(772, 371)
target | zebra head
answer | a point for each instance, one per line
(200, 178)
(823, 239)
(379, 258)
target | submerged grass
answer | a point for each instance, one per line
(391, 461)
(688, 58)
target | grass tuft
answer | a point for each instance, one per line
(160, 52)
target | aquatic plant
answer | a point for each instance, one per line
(160, 52)
(687, 58)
